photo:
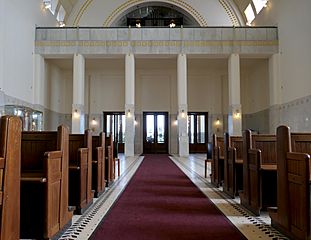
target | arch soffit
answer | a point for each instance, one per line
(130, 4)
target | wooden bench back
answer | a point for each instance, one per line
(293, 190)
(237, 143)
(221, 145)
(34, 145)
(77, 141)
(267, 145)
(301, 142)
(109, 158)
(10, 163)
(98, 141)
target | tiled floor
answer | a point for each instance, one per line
(252, 227)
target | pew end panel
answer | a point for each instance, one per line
(78, 181)
(44, 183)
(98, 164)
(10, 165)
(259, 172)
(45, 209)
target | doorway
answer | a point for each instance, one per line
(198, 131)
(155, 132)
(114, 123)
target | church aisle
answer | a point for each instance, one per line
(251, 226)
(161, 202)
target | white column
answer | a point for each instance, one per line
(129, 104)
(78, 94)
(274, 79)
(183, 141)
(274, 92)
(235, 110)
(39, 79)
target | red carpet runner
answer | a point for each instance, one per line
(160, 202)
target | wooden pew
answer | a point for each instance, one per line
(44, 183)
(259, 172)
(80, 171)
(208, 157)
(10, 165)
(292, 215)
(109, 160)
(217, 161)
(233, 165)
(98, 164)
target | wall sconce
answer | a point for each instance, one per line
(135, 122)
(183, 114)
(237, 115)
(94, 122)
(175, 122)
(76, 113)
(217, 122)
(129, 113)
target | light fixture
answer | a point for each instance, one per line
(175, 122)
(183, 114)
(135, 122)
(62, 24)
(128, 113)
(76, 113)
(237, 114)
(172, 24)
(217, 123)
(138, 24)
(94, 122)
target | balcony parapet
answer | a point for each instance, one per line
(208, 40)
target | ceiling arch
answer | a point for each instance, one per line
(129, 6)
(233, 8)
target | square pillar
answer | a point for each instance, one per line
(78, 122)
(235, 108)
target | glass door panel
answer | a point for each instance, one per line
(155, 132)
(161, 128)
(197, 130)
(150, 128)
(114, 123)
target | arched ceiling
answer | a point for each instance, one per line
(239, 5)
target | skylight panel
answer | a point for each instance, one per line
(249, 13)
(259, 4)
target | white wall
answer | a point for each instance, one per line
(293, 19)
(107, 85)
(17, 34)
(58, 89)
(156, 85)
(254, 85)
(205, 85)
